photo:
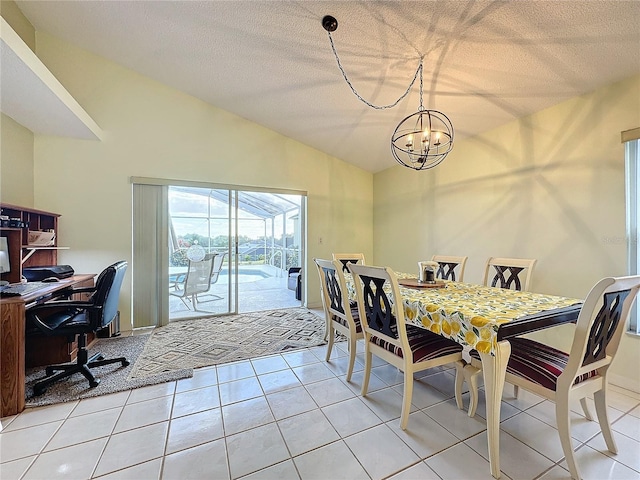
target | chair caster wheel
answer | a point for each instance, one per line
(38, 391)
(95, 383)
(126, 363)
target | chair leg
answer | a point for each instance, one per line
(585, 409)
(83, 365)
(194, 302)
(406, 398)
(215, 297)
(600, 398)
(109, 361)
(471, 375)
(563, 422)
(88, 374)
(330, 339)
(40, 387)
(327, 320)
(367, 369)
(516, 390)
(459, 382)
(352, 356)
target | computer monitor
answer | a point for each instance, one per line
(4, 256)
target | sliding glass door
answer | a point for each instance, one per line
(240, 244)
(201, 250)
(202, 254)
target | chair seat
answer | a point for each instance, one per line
(356, 319)
(425, 345)
(537, 362)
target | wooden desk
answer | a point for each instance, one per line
(12, 340)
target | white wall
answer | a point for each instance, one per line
(152, 130)
(549, 186)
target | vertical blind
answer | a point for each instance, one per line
(150, 255)
(631, 140)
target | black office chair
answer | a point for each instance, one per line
(71, 317)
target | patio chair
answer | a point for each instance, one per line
(294, 281)
(196, 281)
(218, 261)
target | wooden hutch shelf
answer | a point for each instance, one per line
(21, 254)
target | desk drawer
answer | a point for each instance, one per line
(42, 351)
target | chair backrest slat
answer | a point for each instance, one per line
(378, 309)
(604, 326)
(346, 258)
(375, 289)
(450, 267)
(217, 267)
(334, 289)
(199, 275)
(599, 327)
(509, 273)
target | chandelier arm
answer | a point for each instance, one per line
(377, 107)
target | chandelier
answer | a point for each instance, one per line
(420, 141)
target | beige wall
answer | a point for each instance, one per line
(14, 17)
(155, 131)
(16, 163)
(549, 186)
(16, 142)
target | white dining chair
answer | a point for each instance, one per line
(451, 267)
(562, 377)
(407, 347)
(340, 316)
(345, 258)
(511, 273)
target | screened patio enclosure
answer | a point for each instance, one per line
(255, 237)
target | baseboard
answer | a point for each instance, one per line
(624, 382)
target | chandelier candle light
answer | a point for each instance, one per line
(420, 141)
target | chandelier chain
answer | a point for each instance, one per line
(378, 107)
(420, 68)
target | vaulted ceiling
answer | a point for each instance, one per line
(485, 62)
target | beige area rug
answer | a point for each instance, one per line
(113, 378)
(202, 342)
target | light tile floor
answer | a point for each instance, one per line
(294, 416)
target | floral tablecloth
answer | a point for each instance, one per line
(471, 314)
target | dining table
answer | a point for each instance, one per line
(482, 318)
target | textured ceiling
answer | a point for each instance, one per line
(486, 62)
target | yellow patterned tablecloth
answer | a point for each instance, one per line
(471, 314)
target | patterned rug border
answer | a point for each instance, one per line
(203, 342)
